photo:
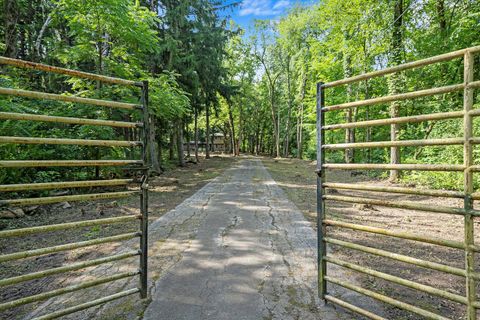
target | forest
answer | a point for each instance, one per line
(256, 87)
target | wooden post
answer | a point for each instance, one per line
(468, 186)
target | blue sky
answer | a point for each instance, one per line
(249, 10)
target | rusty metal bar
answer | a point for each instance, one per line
(87, 305)
(400, 281)
(67, 268)
(389, 121)
(74, 73)
(376, 166)
(353, 308)
(405, 66)
(69, 289)
(398, 257)
(64, 185)
(58, 199)
(401, 204)
(396, 234)
(58, 97)
(321, 229)
(383, 298)
(398, 143)
(397, 97)
(65, 163)
(401, 190)
(65, 247)
(68, 120)
(80, 142)
(65, 226)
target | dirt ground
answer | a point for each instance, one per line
(166, 192)
(298, 179)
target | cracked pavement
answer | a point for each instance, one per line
(251, 255)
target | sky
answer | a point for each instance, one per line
(250, 10)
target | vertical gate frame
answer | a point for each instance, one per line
(468, 168)
(143, 165)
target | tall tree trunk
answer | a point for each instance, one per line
(153, 148)
(350, 132)
(207, 137)
(232, 128)
(289, 113)
(395, 84)
(181, 160)
(11, 13)
(240, 133)
(196, 134)
(171, 150)
(187, 140)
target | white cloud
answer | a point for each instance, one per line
(281, 4)
(263, 7)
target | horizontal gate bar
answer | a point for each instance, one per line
(69, 72)
(398, 257)
(59, 97)
(68, 120)
(65, 163)
(77, 197)
(396, 234)
(401, 204)
(400, 281)
(69, 289)
(410, 119)
(396, 97)
(353, 308)
(87, 305)
(65, 226)
(398, 143)
(68, 246)
(389, 300)
(67, 268)
(378, 166)
(474, 84)
(80, 142)
(405, 66)
(368, 187)
(64, 185)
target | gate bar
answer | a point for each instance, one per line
(398, 143)
(353, 308)
(405, 66)
(87, 305)
(57, 199)
(400, 281)
(398, 257)
(396, 97)
(64, 185)
(59, 97)
(396, 234)
(378, 166)
(402, 205)
(69, 289)
(409, 119)
(65, 247)
(69, 72)
(65, 226)
(66, 268)
(68, 120)
(381, 297)
(80, 142)
(65, 163)
(368, 187)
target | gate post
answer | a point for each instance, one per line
(468, 185)
(321, 246)
(144, 195)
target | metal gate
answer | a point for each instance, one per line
(140, 164)
(466, 212)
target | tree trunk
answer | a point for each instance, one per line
(207, 137)
(181, 160)
(11, 12)
(232, 128)
(196, 134)
(394, 84)
(350, 132)
(153, 148)
(171, 149)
